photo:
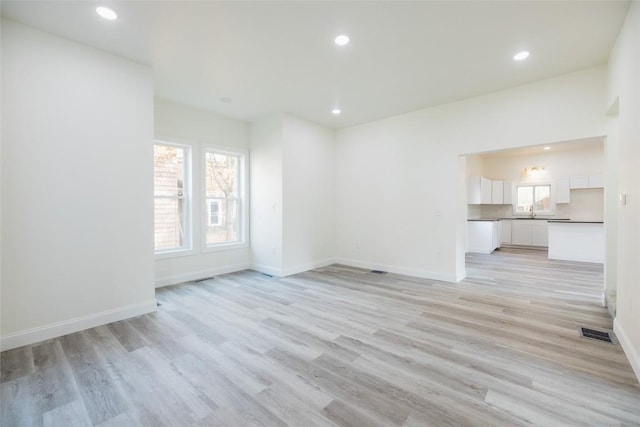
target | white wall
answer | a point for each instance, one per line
(309, 195)
(398, 180)
(77, 243)
(293, 202)
(624, 86)
(266, 195)
(197, 128)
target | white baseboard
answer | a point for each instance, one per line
(58, 329)
(480, 250)
(629, 350)
(424, 274)
(267, 269)
(282, 272)
(200, 274)
(308, 266)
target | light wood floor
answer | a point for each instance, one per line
(341, 346)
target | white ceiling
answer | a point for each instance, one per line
(278, 56)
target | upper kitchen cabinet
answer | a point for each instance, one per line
(497, 192)
(479, 191)
(563, 190)
(483, 191)
(596, 181)
(586, 181)
(507, 192)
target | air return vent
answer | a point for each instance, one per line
(378, 272)
(596, 335)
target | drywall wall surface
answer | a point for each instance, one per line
(77, 187)
(624, 86)
(266, 145)
(199, 129)
(309, 195)
(398, 182)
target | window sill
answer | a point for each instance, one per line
(225, 247)
(174, 254)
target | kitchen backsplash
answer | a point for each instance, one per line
(586, 205)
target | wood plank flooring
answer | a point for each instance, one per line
(340, 346)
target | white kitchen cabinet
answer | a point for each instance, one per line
(540, 233)
(505, 231)
(479, 190)
(507, 192)
(497, 192)
(577, 182)
(520, 233)
(482, 236)
(563, 190)
(596, 181)
(575, 241)
(529, 232)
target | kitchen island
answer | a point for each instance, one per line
(576, 241)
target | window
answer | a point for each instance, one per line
(224, 197)
(214, 212)
(171, 197)
(533, 198)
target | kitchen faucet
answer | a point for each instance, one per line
(532, 214)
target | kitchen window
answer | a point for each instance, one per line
(533, 199)
(172, 201)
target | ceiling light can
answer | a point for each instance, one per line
(336, 111)
(521, 56)
(106, 13)
(341, 40)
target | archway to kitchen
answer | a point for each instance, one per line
(541, 202)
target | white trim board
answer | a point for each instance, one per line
(632, 355)
(58, 329)
(200, 274)
(280, 272)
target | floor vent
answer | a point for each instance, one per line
(203, 280)
(158, 304)
(596, 335)
(267, 275)
(378, 272)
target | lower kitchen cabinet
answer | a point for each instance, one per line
(530, 232)
(483, 236)
(505, 231)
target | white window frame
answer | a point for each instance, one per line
(243, 198)
(552, 205)
(187, 206)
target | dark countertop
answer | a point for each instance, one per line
(537, 219)
(576, 222)
(520, 219)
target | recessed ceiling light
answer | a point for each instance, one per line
(546, 148)
(106, 13)
(336, 111)
(341, 40)
(521, 56)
